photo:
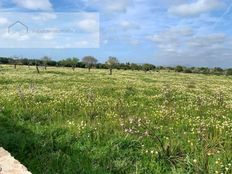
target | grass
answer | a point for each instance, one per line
(64, 121)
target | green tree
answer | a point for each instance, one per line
(229, 72)
(179, 68)
(45, 60)
(134, 66)
(187, 70)
(70, 62)
(217, 71)
(147, 67)
(15, 60)
(112, 62)
(89, 61)
(74, 62)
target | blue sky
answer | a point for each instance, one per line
(162, 32)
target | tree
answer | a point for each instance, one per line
(179, 68)
(134, 66)
(187, 70)
(147, 67)
(74, 62)
(89, 62)
(217, 71)
(204, 70)
(70, 62)
(45, 61)
(37, 67)
(15, 60)
(229, 72)
(112, 62)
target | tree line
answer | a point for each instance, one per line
(90, 62)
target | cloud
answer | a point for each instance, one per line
(127, 25)
(111, 6)
(135, 42)
(34, 4)
(17, 36)
(184, 46)
(61, 31)
(44, 16)
(171, 38)
(196, 8)
(209, 41)
(3, 21)
(88, 25)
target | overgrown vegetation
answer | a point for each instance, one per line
(64, 121)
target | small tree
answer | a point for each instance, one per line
(217, 71)
(45, 61)
(229, 72)
(37, 67)
(30, 62)
(15, 61)
(89, 61)
(187, 70)
(148, 67)
(134, 66)
(112, 62)
(74, 62)
(179, 68)
(70, 62)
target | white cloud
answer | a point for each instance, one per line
(88, 25)
(184, 46)
(171, 36)
(17, 36)
(135, 42)
(3, 21)
(49, 35)
(44, 16)
(127, 25)
(112, 6)
(209, 41)
(196, 8)
(34, 4)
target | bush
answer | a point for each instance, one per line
(179, 68)
(229, 72)
(187, 70)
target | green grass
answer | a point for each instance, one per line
(64, 121)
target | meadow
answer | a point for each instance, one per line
(78, 122)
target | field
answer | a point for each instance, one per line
(64, 121)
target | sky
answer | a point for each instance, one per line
(161, 32)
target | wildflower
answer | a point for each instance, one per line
(146, 133)
(131, 120)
